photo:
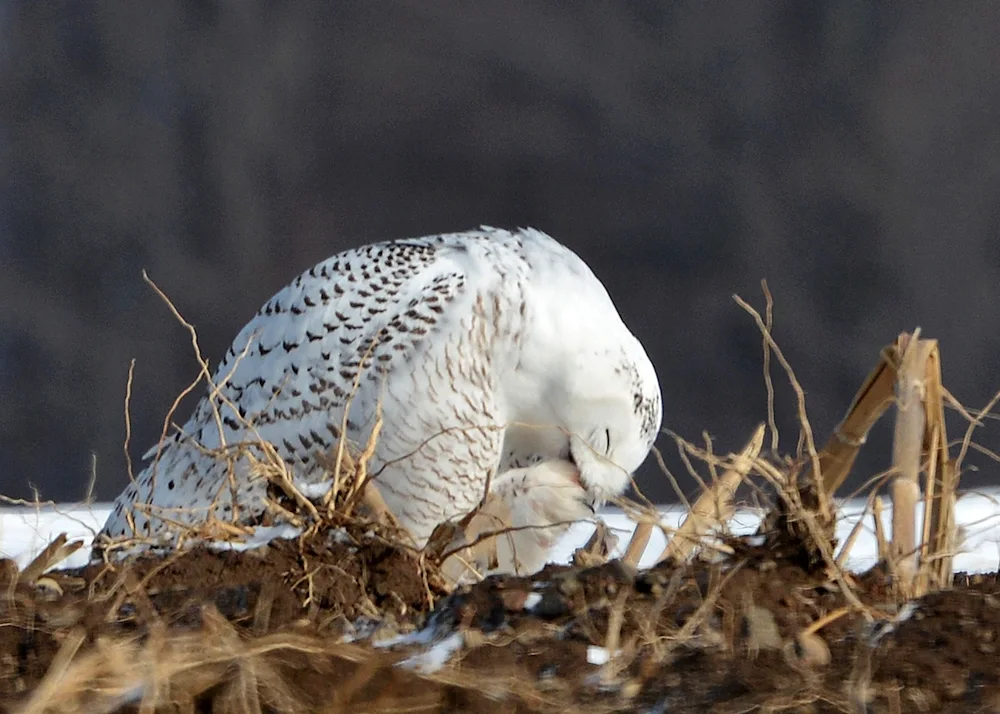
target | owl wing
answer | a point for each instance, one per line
(291, 370)
(370, 310)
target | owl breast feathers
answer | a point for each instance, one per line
(487, 352)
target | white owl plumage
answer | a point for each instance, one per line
(488, 351)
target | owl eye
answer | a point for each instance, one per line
(607, 437)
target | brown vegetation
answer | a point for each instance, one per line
(347, 617)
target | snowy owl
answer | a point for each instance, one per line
(489, 352)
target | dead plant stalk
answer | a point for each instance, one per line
(715, 505)
(906, 450)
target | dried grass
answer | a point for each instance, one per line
(169, 670)
(351, 499)
(715, 506)
(173, 670)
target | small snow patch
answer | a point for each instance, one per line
(598, 655)
(313, 491)
(436, 656)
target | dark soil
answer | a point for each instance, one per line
(723, 637)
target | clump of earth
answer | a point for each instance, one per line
(331, 624)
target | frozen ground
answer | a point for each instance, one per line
(25, 531)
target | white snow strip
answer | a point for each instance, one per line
(25, 531)
(977, 515)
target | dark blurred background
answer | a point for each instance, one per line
(848, 152)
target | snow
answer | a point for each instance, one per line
(436, 643)
(977, 515)
(25, 531)
(598, 655)
(312, 490)
(436, 656)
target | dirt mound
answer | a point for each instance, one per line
(325, 585)
(323, 624)
(347, 618)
